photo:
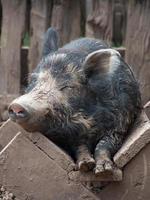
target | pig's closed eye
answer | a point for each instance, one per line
(66, 87)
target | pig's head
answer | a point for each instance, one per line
(42, 104)
(57, 93)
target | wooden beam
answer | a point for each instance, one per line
(90, 176)
(40, 20)
(138, 138)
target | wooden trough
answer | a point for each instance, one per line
(32, 167)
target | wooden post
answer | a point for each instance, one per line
(13, 21)
(119, 22)
(40, 20)
(138, 43)
(66, 18)
(99, 19)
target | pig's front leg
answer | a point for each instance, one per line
(104, 151)
(85, 160)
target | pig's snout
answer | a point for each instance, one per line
(17, 112)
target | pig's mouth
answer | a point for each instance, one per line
(30, 121)
(30, 124)
(37, 118)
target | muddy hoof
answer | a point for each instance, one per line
(86, 165)
(104, 166)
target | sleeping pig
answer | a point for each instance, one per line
(83, 97)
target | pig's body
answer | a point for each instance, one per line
(84, 98)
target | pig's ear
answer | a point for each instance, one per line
(50, 41)
(101, 61)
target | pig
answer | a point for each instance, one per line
(83, 97)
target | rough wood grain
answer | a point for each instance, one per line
(90, 177)
(135, 183)
(0, 16)
(106, 20)
(13, 21)
(40, 21)
(119, 22)
(9, 129)
(99, 20)
(138, 138)
(5, 100)
(66, 18)
(138, 43)
(7, 132)
(29, 173)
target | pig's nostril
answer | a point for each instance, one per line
(17, 112)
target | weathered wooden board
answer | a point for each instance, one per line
(0, 16)
(66, 18)
(5, 100)
(106, 20)
(99, 20)
(49, 166)
(119, 22)
(135, 183)
(39, 22)
(137, 139)
(7, 132)
(90, 176)
(9, 129)
(13, 21)
(29, 173)
(138, 43)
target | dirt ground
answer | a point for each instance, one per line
(6, 195)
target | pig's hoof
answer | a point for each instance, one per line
(104, 166)
(86, 165)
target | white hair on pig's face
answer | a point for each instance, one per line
(42, 99)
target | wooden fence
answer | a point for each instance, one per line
(119, 22)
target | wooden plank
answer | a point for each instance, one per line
(90, 176)
(7, 132)
(5, 100)
(0, 16)
(39, 22)
(135, 183)
(99, 20)
(66, 18)
(138, 43)
(119, 22)
(29, 173)
(138, 138)
(9, 129)
(13, 21)
(52, 150)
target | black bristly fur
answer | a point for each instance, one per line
(109, 102)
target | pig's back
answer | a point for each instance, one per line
(85, 45)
